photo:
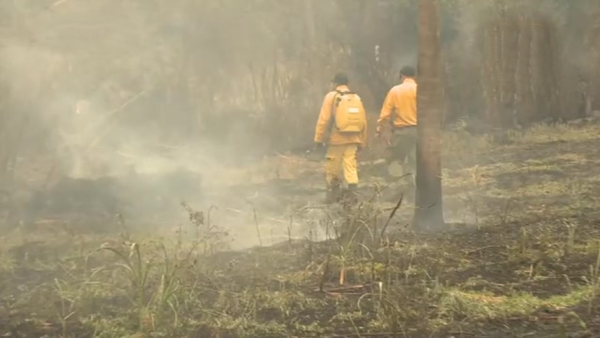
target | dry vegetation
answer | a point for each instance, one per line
(209, 87)
(527, 266)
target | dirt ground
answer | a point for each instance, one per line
(260, 255)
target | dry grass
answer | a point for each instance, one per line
(526, 264)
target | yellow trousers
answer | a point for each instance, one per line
(342, 158)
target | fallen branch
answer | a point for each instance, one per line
(391, 216)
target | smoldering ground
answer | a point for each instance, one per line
(113, 112)
(146, 106)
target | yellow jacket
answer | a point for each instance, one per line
(403, 100)
(324, 124)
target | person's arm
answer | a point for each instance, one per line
(324, 117)
(386, 111)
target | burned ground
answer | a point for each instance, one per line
(520, 257)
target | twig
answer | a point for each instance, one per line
(346, 288)
(391, 216)
(113, 113)
(257, 227)
(485, 248)
(325, 273)
(57, 3)
(355, 328)
(234, 210)
(375, 162)
(308, 207)
(268, 218)
(289, 229)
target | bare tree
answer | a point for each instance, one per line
(429, 209)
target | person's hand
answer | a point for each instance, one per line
(317, 150)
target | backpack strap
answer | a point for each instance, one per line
(336, 99)
(334, 103)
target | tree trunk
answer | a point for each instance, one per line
(429, 208)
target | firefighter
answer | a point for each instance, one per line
(342, 124)
(400, 111)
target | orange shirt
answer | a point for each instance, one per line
(324, 123)
(401, 99)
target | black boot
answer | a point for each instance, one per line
(350, 196)
(333, 192)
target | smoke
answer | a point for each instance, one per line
(134, 107)
(179, 100)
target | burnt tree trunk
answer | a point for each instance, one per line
(429, 208)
